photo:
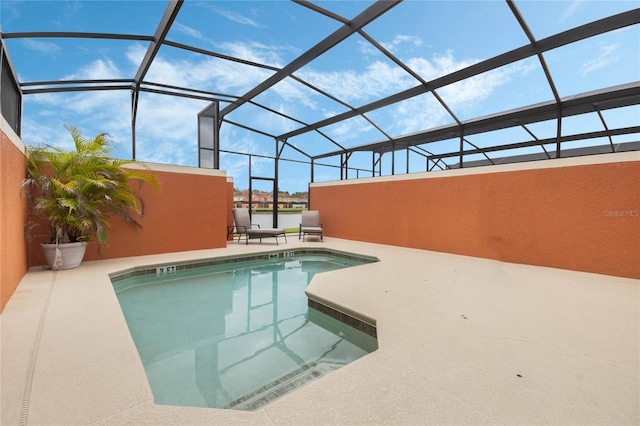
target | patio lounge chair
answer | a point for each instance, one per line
(245, 227)
(310, 224)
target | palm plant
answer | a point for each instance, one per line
(77, 191)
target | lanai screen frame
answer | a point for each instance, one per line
(557, 108)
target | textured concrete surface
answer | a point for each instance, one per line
(461, 341)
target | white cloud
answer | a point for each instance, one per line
(571, 9)
(438, 66)
(166, 126)
(191, 32)
(79, 108)
(381, 79)
(92, 112)
(238, 18)
(377, 80)
(464, 96)
(256, 52)
(96, 70)
(47, 48)
(206, 73)
(42, 129)
(402, 39)
(419, 113)
(473, 89)
(166, 129)
(349, 129)
(280, 124)
(424, 111)
(236, 166)
(135, 54)
(367, 49)
(607, 55)
(233, 138)
(9, 12)
(290, 92)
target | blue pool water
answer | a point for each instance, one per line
(236, 336)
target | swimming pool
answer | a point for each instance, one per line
(236, 334)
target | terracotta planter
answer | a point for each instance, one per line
(71, 255)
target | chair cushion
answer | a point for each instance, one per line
(312, 229)
(265, 231)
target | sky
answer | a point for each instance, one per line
(433, 38)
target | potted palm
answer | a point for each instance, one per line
(77, 191)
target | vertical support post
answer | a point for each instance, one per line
(134, 114)
(393, 159)
(276, 185)
(407, 160)
(461, 148)
(346, 166)
(373, 163)
(216, 136)
(276, 190)
(309, 185)
(250, 188)
(559, 132)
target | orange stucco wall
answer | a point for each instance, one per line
(581, 217)
(230, 205)
(13, 207)
(188, 213)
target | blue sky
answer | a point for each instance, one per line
(432, 37)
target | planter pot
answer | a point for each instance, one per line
(70, 255)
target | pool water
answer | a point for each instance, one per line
(236, 335)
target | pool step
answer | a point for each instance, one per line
(285, 384)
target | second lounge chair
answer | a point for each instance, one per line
(310, 224)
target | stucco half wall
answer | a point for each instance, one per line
(13, 208)
(577, 213)
(188, 212)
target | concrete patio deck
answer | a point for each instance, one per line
(461, 341)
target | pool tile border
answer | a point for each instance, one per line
(151, 269)
(345, 318)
